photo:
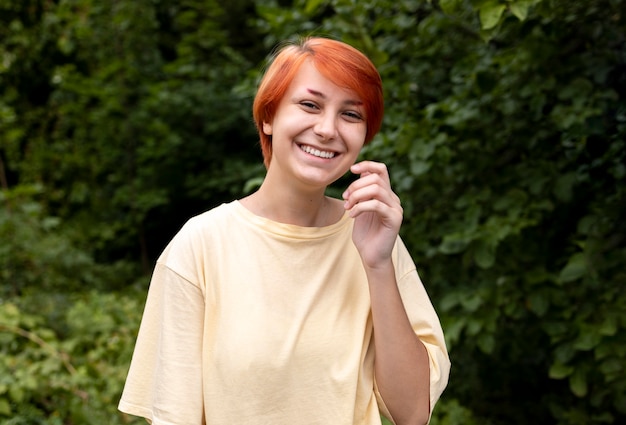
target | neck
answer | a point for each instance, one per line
(285, 205)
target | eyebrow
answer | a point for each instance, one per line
(323, 96)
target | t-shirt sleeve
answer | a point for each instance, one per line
(424, 321)
(164, 383)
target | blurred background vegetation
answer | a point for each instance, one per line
(505, 135)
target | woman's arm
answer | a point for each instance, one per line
(401, 362)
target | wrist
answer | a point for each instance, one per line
(381, 268)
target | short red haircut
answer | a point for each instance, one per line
(341, 63)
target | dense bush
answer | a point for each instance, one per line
(69, 366)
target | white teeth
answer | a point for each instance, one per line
(318, 153)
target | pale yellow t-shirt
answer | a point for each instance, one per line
(250, 321)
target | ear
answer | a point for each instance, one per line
(267, 128)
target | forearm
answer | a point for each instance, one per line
(401, 365)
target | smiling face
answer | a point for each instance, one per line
(317, 131)
(339, 62)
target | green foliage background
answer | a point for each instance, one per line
(505, 135)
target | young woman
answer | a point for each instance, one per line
(287, 306)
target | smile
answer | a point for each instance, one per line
(316, 152)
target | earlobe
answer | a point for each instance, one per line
(267, 128)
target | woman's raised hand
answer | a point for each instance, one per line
(376, 210)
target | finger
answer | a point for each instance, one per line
(390, 217)
(367, 180)
(371, 167)
(369, 192)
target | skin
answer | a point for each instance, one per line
(317, 114)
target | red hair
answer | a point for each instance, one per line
(341, 63)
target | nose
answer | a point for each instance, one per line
(325, 127)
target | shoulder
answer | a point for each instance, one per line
(198, 243)
(213, 217)
(214, 222)
(198, 230)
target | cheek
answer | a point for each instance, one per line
(359, 137)
(354, 134)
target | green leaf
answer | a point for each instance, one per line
(586, 224)
(560, 371)
(471, 303)
(611, 366)
(419, 167)
(449, 301)
(490, 14)
(538, 303)
(564, 187)
(578, 383)
(486, 342)
(575, 268)
(564, 353)
(5, 407)
(16, 393)
(520, 9)
(485, 254)
(474, 326)
(608, 327)
(587, 340)
(450, 6)
(9, 314)
(453, 244)
(313, 5)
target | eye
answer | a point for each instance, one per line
(309, 105)
(353, 116)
